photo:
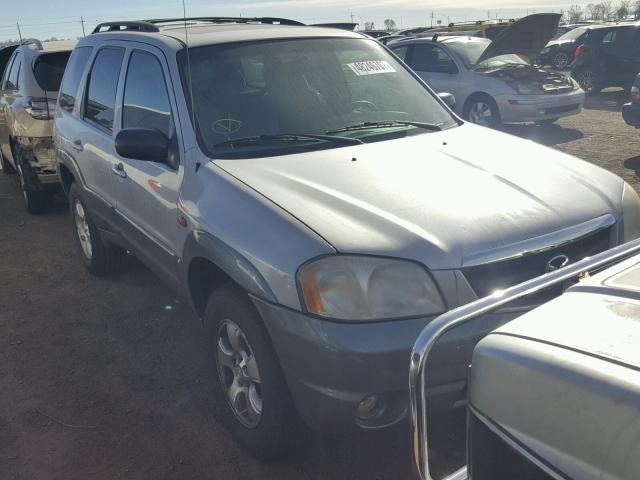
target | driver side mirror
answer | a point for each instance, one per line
(448, 99)
(146, 144)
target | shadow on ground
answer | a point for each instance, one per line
(546, 135)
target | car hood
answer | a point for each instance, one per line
(538, 80)
(526, 37)
(444, 199)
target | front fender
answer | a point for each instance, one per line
(200, 244)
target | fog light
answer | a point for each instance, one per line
(369, 407)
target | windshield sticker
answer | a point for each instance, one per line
(225, 126)
(371, 67)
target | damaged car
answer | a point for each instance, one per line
(495, 82)
(28, 94)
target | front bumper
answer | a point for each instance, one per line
(631, 114)
(330, 367)
(516, 108)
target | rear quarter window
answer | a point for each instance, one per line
(48, 70)
(72, 76)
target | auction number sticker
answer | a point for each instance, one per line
(371, 67)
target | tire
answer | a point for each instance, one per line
(560, 61)
(588, 79)
(100, 259)
(276, 429)
(7, 168)
(481, 109)
(35, 201)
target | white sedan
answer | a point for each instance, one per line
(490, 85)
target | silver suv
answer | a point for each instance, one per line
(317, 204)
(28, 94)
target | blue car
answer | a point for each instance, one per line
(631, 110)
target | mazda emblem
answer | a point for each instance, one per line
(556, 263)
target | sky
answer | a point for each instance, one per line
(61, 18)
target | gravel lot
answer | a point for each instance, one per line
(105, 378)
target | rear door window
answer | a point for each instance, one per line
(72, 77)
(429, 58)
(103, 84)
(5, 75)
(48, 70)
(14, 73)
(146, 100)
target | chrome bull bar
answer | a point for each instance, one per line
(454, 318)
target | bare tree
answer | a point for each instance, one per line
(575, 13)
(624, 8)
(636, 9)
(389, 25)
(372, 26)
(600, 11)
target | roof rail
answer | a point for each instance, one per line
(32, 41)
(268, 20)
(135, 26)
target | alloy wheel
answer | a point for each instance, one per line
(239, 374)
(82, 228)
(481, 113)
(586, 80)
(561, 60)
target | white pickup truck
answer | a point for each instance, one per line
(555, 393)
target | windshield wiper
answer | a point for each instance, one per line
(286, 137)
(387, 123)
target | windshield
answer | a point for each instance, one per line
(302, 87)
(573, 34)
(469, 49)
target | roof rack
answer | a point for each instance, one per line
(135, 26)
(32, 41)
(267, 20)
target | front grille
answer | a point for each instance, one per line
(562, 109)
(486, 279)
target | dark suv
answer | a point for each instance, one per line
(609, 57)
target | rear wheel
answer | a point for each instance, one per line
(250, 390)
(589, 80)
(7, 168)
(482, 110)
(35, 201)
(100, 259)
(560, 60)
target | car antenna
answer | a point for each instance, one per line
(186, 40)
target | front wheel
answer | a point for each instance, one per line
(250, 390)
(482, 110)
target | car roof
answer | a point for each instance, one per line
(200, 34)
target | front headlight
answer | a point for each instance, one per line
(346, 287)
(630, 209)
(545, 50)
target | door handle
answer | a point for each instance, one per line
(119, 170)
(77, 146)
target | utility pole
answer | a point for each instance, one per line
(82, 22)
(19, 33)
(352, 18)
(432, 15)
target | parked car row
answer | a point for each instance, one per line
(314, 247)
(493, 81)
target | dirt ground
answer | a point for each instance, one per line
(105, 378)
